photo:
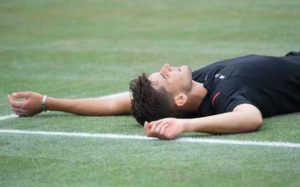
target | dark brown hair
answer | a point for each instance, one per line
(148, 104)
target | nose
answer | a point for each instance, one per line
(166, 69)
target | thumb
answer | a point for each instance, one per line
(147, 125)
(147, 128)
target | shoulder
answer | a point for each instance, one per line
(225, 100)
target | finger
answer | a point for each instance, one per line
(19, 112)
(10, 98)
(15, 104)
(147, 125)
(164, 132)
(150, 130)
(21, 95)
(159, 127)
(164, 128)
(156, 126)
(147, 128)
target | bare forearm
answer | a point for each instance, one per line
(232, 122)
(118, 105)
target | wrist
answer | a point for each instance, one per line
(44, 100)
(186, 124)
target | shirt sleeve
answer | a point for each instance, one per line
(227, 103)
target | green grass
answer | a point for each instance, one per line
(74, 49)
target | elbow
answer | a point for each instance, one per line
(256, 124)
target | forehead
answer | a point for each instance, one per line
(156, 79)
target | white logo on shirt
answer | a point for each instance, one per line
(220, 76)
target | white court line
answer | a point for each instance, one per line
(8, 117)
(137, 137)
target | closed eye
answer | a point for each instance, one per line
(164, 76)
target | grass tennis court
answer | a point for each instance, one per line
(75, 49)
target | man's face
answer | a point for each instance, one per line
(174, 80)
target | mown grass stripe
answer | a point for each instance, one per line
(137, 137)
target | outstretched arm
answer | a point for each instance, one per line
(31, 104)
(244, 118)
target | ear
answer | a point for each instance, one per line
(180, 99)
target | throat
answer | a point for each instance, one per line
(196, 96)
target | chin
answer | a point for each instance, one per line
(186, 68)
(188, 71)
(188, 77)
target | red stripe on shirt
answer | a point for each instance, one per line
(213, 101)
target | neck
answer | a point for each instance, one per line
(196, 96)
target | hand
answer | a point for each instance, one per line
(167, 128)
(29, 106)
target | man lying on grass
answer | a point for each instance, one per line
(230, 96)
